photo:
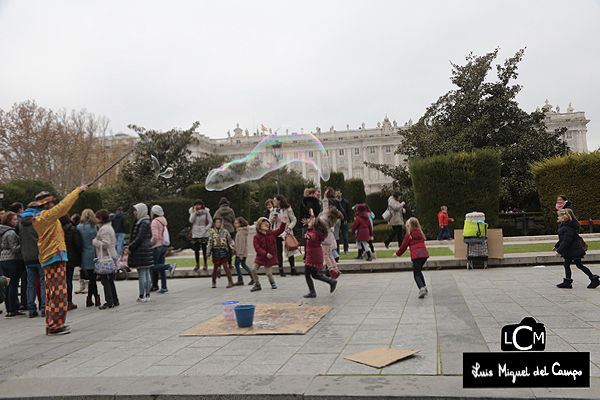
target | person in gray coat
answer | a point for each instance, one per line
(397, 209)
(10, 262)
(105, 243)
(201, 223)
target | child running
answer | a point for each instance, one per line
(330, 216)
(315, 234)
(364, 232)
(415, 239)
(443, 222)
(265, 244)
(220, 247)
(241, 250)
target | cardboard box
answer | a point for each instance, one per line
(495, 244)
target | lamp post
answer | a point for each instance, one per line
(1, 196)
(277, 154)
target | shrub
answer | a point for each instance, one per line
(91, 199)
(238, 196)
(177, 214)
(577, 176)
(464, 182)
(24, 191)
(378, 202)
(336, 181)
(355, 191)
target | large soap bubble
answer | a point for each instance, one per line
(284, 146)
(167, 173)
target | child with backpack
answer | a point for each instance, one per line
(265, 244)
(364, 232)
(443, 220)
(316, 233)
(415, 239)
(220, 247)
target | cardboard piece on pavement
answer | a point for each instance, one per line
(382, 357)
(269, 319)
(495, 244)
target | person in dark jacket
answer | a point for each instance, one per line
(570, 248)
(11, 262)
(345, 204)
(74, 246)
(35, 272)
(119, 224)
(140, 251)
(309, 202)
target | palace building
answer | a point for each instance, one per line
(349, 149)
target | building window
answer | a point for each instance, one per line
(388, 149)
(310, 154)
(327, 151)
(357, 151)
(548, 119)
(372, 150)
(296, 155)
(569, 135)
(238, 141)
(341, 152)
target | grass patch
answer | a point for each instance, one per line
(541, 247)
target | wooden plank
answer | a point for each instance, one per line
(269, 319)
(382, 357)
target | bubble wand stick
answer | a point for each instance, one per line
(112, 166)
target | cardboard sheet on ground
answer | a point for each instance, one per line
(382, 357)
(269, 319)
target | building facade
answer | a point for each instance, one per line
(574, 121)
(349, 149)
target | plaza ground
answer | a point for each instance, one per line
(136, 350)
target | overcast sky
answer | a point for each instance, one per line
(165, 64)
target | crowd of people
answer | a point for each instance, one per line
(41, 247)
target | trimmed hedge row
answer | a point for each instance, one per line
(577, 176)
(355, 191)
(464, 182)
(378, 202)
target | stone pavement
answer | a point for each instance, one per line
(135, 350)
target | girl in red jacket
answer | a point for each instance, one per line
(415, 239)
(364, 231)
(265, 244)
(315, 235)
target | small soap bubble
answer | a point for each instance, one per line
(284, 146)
(155, 166)
(167, 173)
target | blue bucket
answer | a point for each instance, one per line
(244, 315)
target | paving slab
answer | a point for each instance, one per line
(136, 351)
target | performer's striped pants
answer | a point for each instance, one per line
(56, 295)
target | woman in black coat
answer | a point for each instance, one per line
(140, 251)
(569, 246)
(74, 244)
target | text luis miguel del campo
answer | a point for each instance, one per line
(523, 369)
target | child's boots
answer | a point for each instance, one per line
(255, 288)
(369, 258)
(240, 282)
(360, 253)
(595, 282)
(566, 284)
(310, 295)
(229, 277)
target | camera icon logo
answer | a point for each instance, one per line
(528, 335)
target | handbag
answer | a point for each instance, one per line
(166, 238)
(387, 215)
(583, 243)
(291, 243)
(104, 266)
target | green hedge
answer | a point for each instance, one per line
(238, 196)
(355, 191)
(24, 191)
(378, 202)
(577, 176)
(177, 215)
(91, 199)
(336, 181)
(464, 182)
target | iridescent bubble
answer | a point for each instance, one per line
(167, 173)
(155, 166)
(284, 146)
